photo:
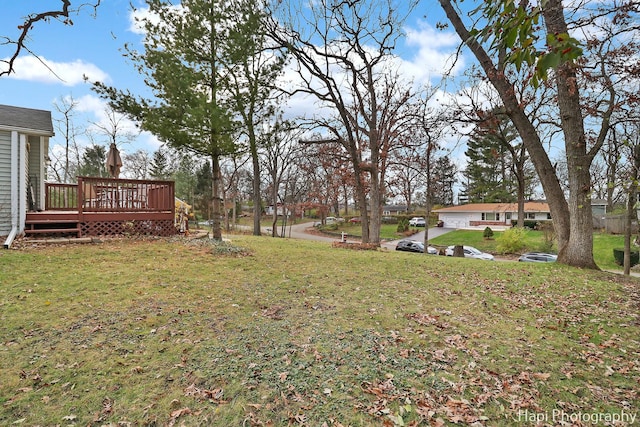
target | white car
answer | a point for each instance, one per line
(417, 222)
(333, 219)
(470, 252)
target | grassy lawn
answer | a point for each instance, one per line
(603, 244)
(289, 332)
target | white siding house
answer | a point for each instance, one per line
(494, 215)
(24, 144)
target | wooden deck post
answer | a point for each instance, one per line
(80, 203)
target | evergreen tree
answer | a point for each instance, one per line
(93, 162)
(185, 178)
(489, 176)
(159, 168)
(203, 195)
(444, 177)
(186, 63)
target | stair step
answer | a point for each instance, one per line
(51, 221)
(52, 230)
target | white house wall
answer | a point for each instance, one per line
(456, 219)
(23, 175)
(5, 183)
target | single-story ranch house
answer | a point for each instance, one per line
(481, 215)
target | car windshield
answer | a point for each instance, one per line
(473, 251)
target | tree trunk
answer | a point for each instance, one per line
(364, 211)
(216, 229)
(572, 221)
(274, 199)
(627, 231)
(579, 249)
(257, 200)
(631, 208)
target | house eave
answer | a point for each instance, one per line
(27, 131)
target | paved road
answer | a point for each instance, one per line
(298, 231)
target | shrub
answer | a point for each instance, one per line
(488, 233)
(511, 240)
(549, 236)
(403, 225)
(618, 255)
(329, 227)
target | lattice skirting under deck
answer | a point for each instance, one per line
(162, 228)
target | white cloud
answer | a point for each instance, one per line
(136, 17)
(42, 70)
(430, 53)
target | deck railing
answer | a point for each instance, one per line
(93, 194)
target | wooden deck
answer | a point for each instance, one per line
(106, 207)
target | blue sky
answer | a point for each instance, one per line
(92, 47)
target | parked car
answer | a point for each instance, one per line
(414, 246)
(355, 220)
(333, 219)
(470, 252)
(538, 257)
(417, 222)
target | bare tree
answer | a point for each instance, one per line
(19, 43)
(341, 51)
(137, 164)
(62, 164)
(278, 152)
(114, 129)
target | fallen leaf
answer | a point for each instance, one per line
(541, 376)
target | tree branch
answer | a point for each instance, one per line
(31, 20)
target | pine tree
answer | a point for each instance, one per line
(444, 177)
(489, 176)
(159, 168)
(93, 162)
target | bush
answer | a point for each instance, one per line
(529, 223)
(618, 256)
(329, 227)
(488, 233)
(549, 236)
(403, 225)
(511, 241)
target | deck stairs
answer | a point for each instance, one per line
(49, 224)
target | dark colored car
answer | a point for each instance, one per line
(414, 246)
(538, 257)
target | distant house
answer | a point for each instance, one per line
(394, 209)
(279, 210)
(481, 215)
(599, 207)
(24, 144)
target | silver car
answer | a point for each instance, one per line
(470, 252)
(538, 257)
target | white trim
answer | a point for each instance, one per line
(14, 190)
(43, 171)
(34, 132)
(22, 177)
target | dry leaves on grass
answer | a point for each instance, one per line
(213, 396)
(276, 312)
